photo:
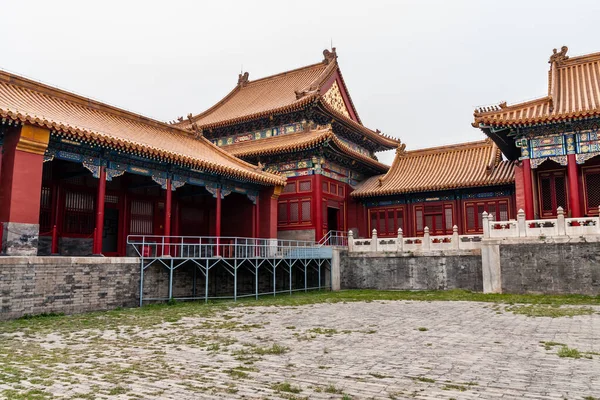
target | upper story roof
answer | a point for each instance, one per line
(320, 83)
(573, 92)
(302, 141)
(462, 165)
(84, 119)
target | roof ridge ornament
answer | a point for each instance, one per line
(194, 127)
(401, 149)
(559, 57)
(243, 79)
(329, 56)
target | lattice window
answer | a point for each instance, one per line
(390, 222)
(79, 213)
(492, 211)
(373, 220)
(306, 217)
(561, 192)
(381, 226)
(419, 218)
(112, 199)
(546, 191)
(503, 211)
(325, 187)
(592, 189)
(75, 180)
(448, 217)
(282, 213)
(341, 191)
(429, 221)
(46, 210)
(142, 214)
(471, 218)
(480, 210)
(400, 220)
(294, 211)
(304, 186)
(289, 188)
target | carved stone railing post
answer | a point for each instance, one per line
(521, 228)
(400, 241)
(374, 240)
(426, 239)
(455, 238)
(486, 224)
(561, 226)
(350, 241)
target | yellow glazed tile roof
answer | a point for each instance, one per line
(439, 168)
(573, 92)
(70, 115)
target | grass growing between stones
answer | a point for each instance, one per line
(549, 310)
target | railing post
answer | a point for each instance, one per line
(521, 224)
(350, 241)
(455, 238)
(426, 245)
(486, 224)
(374, 240)
(400, 241)
(54, 240)
(561, 226)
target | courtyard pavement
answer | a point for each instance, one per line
(363, 350)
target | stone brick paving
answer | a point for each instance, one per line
(372, 350)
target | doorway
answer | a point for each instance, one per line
(110, 233)
(332, 219)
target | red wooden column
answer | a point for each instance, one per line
(318, 198)
(257, 214)
(218, 220)
(101, 194)
(574, 193)
(528, 189)
(167, 229)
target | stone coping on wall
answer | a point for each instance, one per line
(542, 240)
(25, 260)
(430, 253)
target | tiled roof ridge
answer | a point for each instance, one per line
(502, 106)
(320, 136)
(580, 59)
(31, 84)
(447, 148)
(284, 74)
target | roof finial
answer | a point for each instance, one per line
(194, 127)
(243, 79)
(329, 56)
(557, 56)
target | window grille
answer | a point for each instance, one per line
(294, 212)
(79, 213)
(390, 222)
(305, 186)
(546, 191)
(400, 219)
(429, 221)
(306, 211)
(419, 218)
(561, 192)
(290, 188)
(471, 217)
(381, 227)
(448, 217)
(592, 189)
(373, 221)
(46, 210)
(112, 199)
(503, 213)
(325, 187)
(282, 214)
(142, 213)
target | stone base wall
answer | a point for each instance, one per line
(405, 271)
(37, 285)
(553, 268)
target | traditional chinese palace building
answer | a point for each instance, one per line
(78, 176)
(302, 124)
(554, 139)
(438, 188)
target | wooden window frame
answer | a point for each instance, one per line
(552, 173)
(585, 171)
(475, 203)
(387, 209)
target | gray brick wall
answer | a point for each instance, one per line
(36, 285)
(550, 268)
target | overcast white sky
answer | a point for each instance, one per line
(415, 69)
